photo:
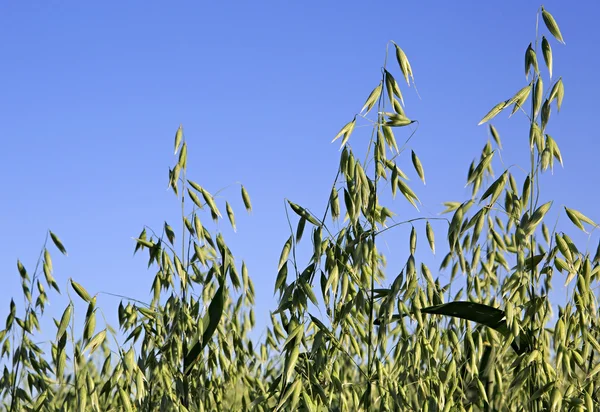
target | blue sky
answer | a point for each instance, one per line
(92, 93)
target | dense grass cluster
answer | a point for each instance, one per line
(349, 333)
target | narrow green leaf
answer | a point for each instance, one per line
(541, 391)
(210, 323)
(482, 314)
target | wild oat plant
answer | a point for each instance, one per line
(348, 334)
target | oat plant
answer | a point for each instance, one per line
(354, 329)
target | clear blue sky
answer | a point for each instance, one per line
(92, 93)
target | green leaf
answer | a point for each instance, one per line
(58, 243)
(541, 391)
(476, 312)
(532, 262)
(210, 323)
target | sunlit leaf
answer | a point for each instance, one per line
(210, 322)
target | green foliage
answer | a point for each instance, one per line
(346, 334)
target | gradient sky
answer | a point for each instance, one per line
(92, 93)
